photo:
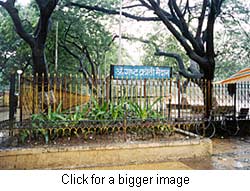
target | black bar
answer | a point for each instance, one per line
(110, 82)
(179, 97)
(12, 98)
(21, 98)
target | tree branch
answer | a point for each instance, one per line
(181, 66)
(195, 74)
(46, 9)
(185, 31)
(132, 6)
(112, 12)
(201, 19)
(9, 6)
(193, 55)
(146, 4)
(84, 55)
(210, 30)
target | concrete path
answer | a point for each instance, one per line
(228, 154)
(4, 113)
(148, 166)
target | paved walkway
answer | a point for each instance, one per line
(148, 166)
(4, 113)
(228, 154)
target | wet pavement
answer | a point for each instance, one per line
(228, 154)
(148, 166)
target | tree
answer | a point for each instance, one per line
(162, 40)
(232, 40)
(14, 53)
(197, 42)
(179, 17)
(36, 41)
(86, 40)
(154, 56)
(86, 27)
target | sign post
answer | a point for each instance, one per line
(140, 72)
(120, 72)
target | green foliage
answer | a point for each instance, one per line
(164, 42)
(107, 110)
(87, 30)
(55, 124)
(14, 52)
(52, 116)
(117, 111)
(78, 114)
(99, 111)
(40, 121)
(23, 135)
(232, 40)
(143, 112)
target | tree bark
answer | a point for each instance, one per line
(38, 39)
(40, 69)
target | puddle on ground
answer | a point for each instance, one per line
(228, 154)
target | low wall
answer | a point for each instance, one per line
(93, 156)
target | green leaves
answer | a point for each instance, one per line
(98, 110)
(23, 135)
(54, 116)
(85, 30)
(14, 52)
(117, 111)
(232, 39)
(166, 42)
(143, 112)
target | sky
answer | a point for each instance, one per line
(23, 2)
(134, 50)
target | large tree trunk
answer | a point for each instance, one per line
(40, 69)
(36, 41)
(208, 91)
(208, 97)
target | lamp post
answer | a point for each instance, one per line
(56, 51)
(120, 36)
(19, 72)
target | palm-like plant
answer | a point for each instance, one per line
(98, 111)
(143, 112)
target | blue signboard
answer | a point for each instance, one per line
(140, 72)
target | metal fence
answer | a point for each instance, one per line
(124, 108)
(37, 97)
(177, 99)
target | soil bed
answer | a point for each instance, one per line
(97, 139)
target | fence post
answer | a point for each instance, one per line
(21, 98)
(33, 93)
(12, 102)
(170, 100)
(208, 97)
(12, 99)
(179, 96)
(145, 94)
